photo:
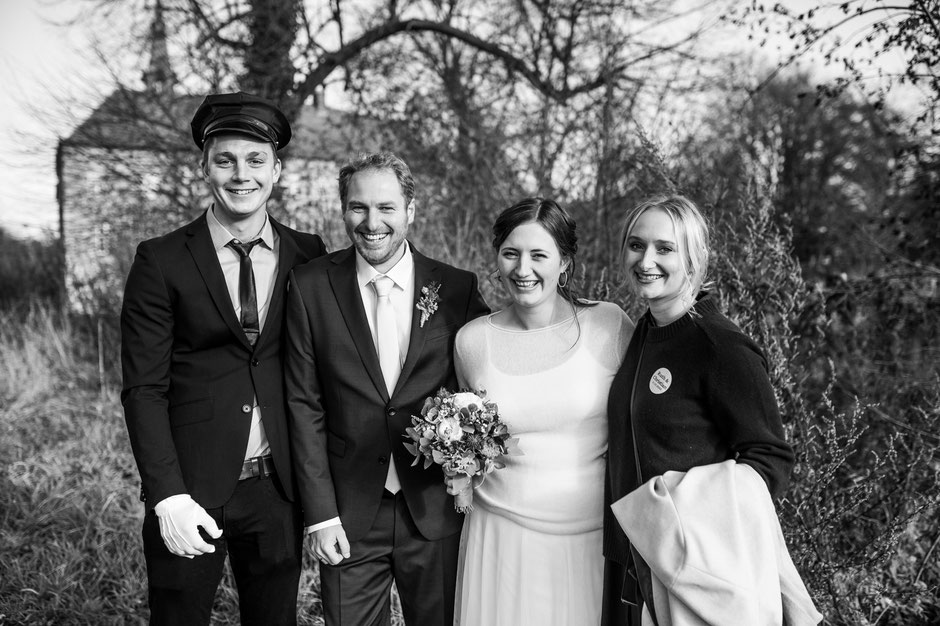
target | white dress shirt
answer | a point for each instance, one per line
(264, 266)
(402, 295)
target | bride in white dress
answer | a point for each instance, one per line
(531, 549)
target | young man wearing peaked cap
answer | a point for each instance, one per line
(203, 393)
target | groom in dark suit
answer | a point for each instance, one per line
(370, 336)
(203, 384)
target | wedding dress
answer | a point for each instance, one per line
(531, 549)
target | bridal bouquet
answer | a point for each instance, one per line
(461, 432)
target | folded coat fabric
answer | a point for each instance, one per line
(713, 542)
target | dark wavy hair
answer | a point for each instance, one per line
(552, 217)
(377, 161)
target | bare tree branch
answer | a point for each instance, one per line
(514, 64)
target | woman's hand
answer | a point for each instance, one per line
(457, 483)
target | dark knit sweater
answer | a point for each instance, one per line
(702, 396)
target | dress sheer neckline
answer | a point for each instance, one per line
(489, 320)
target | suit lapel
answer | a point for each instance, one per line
(207, 262)
(426, 271)
(342, 275)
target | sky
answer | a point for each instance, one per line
(49, 81)
(39, 64)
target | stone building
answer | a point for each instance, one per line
(130, 172)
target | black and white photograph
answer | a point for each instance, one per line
(470, 312)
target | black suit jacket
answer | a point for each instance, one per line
(343, 423)
(190, 375)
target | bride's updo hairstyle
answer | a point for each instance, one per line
(554, 219)
(691, 232)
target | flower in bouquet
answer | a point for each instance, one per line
(463, 433)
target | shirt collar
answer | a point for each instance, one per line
(403, 272)
(221, 235)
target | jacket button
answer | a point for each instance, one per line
(255, 362)
(391, 411)
(246, 408)
(382, 460)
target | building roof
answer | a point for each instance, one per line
(136, 120)
(140, 120)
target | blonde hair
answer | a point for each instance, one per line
(691, 232)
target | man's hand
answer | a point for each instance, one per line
(330, 544)
(180, 519)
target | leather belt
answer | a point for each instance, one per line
(257, 467)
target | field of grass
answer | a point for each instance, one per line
(69, 515)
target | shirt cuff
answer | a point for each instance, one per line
(326, 524)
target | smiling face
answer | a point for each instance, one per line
(529, 265)
(376, 217)
(241, 172)
(656, 267)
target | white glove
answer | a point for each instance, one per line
(180, 519)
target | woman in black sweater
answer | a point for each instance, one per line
(692, 390)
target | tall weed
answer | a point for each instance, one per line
(35, 354)
(861, 495)
(69, 515)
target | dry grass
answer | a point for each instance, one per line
(69, 516)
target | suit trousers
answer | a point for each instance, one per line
(261, 534)
(356, 592)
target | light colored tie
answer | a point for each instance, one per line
(386, 343)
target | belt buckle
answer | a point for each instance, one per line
(249, 468)
(257, 467)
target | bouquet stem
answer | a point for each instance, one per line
(463, 501)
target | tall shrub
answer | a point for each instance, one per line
(857, 504)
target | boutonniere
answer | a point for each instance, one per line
(428, 301)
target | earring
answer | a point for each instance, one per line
(495, 278)
(563, 283)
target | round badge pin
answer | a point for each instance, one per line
(660, 381)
